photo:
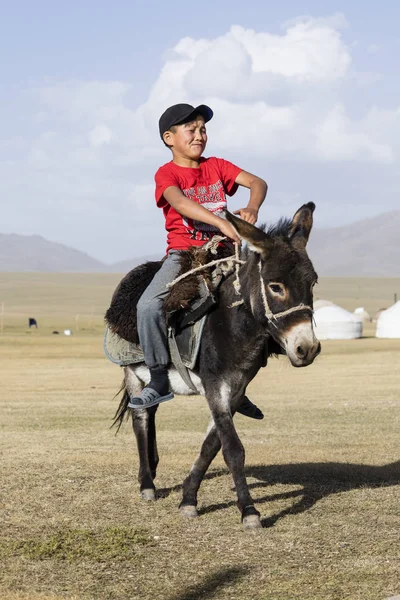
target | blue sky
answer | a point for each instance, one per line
(83, 83)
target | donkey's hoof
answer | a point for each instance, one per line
(149, 495)
(252, 522)
(188, 511)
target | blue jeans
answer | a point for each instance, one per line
(152, 328)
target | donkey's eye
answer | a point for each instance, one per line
(276, 288)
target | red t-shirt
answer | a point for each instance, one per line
(206, 185)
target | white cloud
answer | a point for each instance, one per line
(244, 64)
(339, 139)
(308, 51)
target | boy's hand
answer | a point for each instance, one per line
(188, 208)
(227, 229)
(250, 215)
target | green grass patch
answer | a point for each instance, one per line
(73, 544)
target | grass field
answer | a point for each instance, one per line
(323, 466)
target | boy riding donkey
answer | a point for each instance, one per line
(191, 191)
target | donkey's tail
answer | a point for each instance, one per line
(122, 410)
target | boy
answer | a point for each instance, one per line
(191, 192)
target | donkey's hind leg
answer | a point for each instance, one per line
(140, 421)
(144, 428)
(152, 441)
(208, 452)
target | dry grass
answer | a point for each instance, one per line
(323, 467)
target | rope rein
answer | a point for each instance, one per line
(229, 259)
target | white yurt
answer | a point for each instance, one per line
(388, 324)
(335, 323)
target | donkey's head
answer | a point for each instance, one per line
(278, 282)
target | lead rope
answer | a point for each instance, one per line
(202, 267)
(232, 259)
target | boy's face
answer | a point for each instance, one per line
(188, 140)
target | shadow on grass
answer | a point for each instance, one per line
(317, 480)
(212, 584)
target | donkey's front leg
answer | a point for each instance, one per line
(233, 452)
(209, 449)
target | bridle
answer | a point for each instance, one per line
(272, 317)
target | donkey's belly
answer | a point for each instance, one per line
(178, 386)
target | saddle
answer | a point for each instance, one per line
(186, 307)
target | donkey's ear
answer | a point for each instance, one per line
(256, 239)
(301, 225)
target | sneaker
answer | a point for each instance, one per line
(147, 398)
(248, 409)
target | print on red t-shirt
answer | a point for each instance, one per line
(207, 185)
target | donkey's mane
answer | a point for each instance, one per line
(279, 229)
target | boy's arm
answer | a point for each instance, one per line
(190, 209)
(258, 190)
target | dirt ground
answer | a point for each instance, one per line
(323, 467)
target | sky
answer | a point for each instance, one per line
(306, 95)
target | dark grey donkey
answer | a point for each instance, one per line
(275, 317)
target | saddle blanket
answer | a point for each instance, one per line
(123, 353)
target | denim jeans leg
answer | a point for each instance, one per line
(151, 324)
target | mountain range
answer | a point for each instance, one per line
(366, 248)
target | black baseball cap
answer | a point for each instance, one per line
(182, 113)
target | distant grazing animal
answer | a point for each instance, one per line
(32, 322)
(275, 317)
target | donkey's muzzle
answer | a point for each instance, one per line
(301, 345)
(306, 353)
